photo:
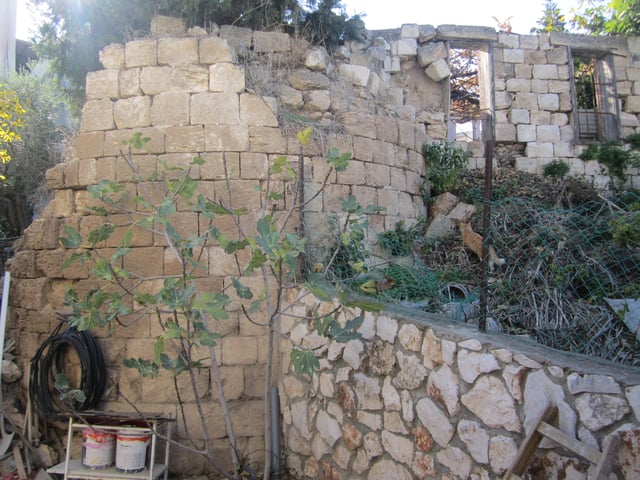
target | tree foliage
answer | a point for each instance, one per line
(608, 17)
(44, 127)
(552, 20)
(73, 33)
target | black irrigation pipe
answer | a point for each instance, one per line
(49, 361)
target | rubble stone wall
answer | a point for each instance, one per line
(416, 398)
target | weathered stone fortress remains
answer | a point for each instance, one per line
(412, 399)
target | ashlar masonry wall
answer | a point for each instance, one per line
(191, 95)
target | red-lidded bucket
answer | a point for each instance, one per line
(98, 447)
(131, 450)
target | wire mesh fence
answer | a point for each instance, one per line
(569, 280)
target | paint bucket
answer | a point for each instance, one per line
(98, 447)
(131, 450)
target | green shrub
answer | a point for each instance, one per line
(444, 165)
(556, 169)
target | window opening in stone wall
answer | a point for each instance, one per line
(467, 99)
(595, 115)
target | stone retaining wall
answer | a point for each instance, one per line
(416, 398)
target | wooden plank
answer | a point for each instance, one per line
(529, 445)
(569, 442)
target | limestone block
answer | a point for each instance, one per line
(102, 84)
(356, 74)
(89, 144)
(190, 78)
(502, 453)
(509, 40)
(526, 164)
(459, 32)
(357, 124)
(271, 42)
(129, 83)
(526, 133)
(628, 120)
(549, 101)
(226, 138)
(427, 33)
(97, 115)
(564, 72)
(429, 53)
(226, 77)
(503, 100)
(539, 86)
(632, 105)
(489, 400)
(513, 55)
(177, 51)
(210, 108)
(540, 117)
(289, 96)
(558, 55)
(476, 440)
(215, 50)
(519, 116)
(548, 133)
(239, 350)
(563, 149)
(170, 108)
(161, 24)
(255, 110)
(317, 59)
(518, 85)
(409, 30)
(267, 139)
(404, 47)
(530, 42)
(523, 71)
(438, 70)
(113, 141)
(374, 84)
(406, 134)
(141, 53)
(505, 132)
(597, 411)
(303, 79)
(155, 80)
(184, 138)
(132, 112)
(436, 421)
(539, 150)
(112, 56)
(545, 72)
(527, 101)
(55, 177)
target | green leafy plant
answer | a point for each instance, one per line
(188, 316)
(399, 241)
(616, 158)
(556, 169)
(445, 164)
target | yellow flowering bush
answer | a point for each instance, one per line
(11, 117)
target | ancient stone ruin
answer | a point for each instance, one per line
(415, 397)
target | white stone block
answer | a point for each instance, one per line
(503, 100)
(526, 164)
(628, 120)
(540, 117)
(519, 115)
(539, 86)
(410, 30)
(549, 101)
(548, 133)
(505, 132)
(438, 70)
(539, 150)
(513, 55)
(559, 119)
(509, 40)
(526, 133)
(563, 149)
(355, 74)
(545, 72)
(518, 85)
(405, 46)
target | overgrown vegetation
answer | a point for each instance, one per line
(187, 315)
(43, 130)
(445, 164)
(617, 157)
(73, 33)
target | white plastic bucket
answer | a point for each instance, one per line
(131, 450)
(98, 447)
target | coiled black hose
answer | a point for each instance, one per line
(49, 361)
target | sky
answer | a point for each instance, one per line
(382, 14)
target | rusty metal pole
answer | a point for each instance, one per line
(487, 131)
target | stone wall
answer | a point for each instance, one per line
(416, 398)
(197, 95)
(235, 97)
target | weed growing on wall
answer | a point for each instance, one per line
(268, 254)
